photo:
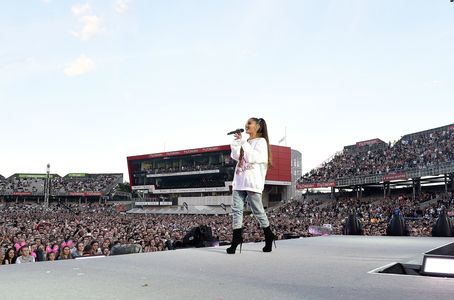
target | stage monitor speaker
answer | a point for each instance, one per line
(397, 226)
(125, 249)
(443, 226)
(352, 226)
(200, 236)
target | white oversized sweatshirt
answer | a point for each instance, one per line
(250, 174)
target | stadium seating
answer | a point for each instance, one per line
(87, 183)
(33, 184)
(18, 184)
(415, 151)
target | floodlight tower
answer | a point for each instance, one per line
(47, 187)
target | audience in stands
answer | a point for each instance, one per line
(200, 166)
(418, 151)
(97, 183)
(59, 185)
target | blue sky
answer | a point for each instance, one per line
(83, 84)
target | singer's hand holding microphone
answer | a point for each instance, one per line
(237, 133)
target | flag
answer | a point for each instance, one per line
(284, 138)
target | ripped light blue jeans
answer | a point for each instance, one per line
(240, 198)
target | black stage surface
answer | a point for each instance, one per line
(334, 267)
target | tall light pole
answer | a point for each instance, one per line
(47, 187)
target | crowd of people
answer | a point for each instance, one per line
(201, 163)
(374, 213)
(17, 184)
(417, 151)
(32, 233)
(94, 183)
(59, 185)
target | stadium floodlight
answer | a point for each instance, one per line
(47, 187)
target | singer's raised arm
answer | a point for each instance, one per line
(235, 146)
(257, 154)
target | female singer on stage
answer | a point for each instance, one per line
(254, 158)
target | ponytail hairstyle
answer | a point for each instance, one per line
(263, 133)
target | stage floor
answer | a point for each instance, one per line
(334, 267)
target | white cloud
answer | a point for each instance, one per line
(81, 9)
(92, 26)
(433, 83)
(121, 6)
(436, 83)
(81, 65)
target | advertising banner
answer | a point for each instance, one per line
(77, 175)
(22, 193)
(191, 190)
(142, 187)
(367, 143)
(84, 194)
(153, 203)
(183, 173)
(395, 176)
(302, 186)
(182, 152)
(32, 175)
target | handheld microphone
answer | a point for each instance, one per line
(236, 131)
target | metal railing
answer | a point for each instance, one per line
(440, 169)
(424, 132)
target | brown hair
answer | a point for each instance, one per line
(263, 133)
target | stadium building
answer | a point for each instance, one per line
(202, 179)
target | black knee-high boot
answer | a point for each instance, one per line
(269, 239)
(236, 240)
